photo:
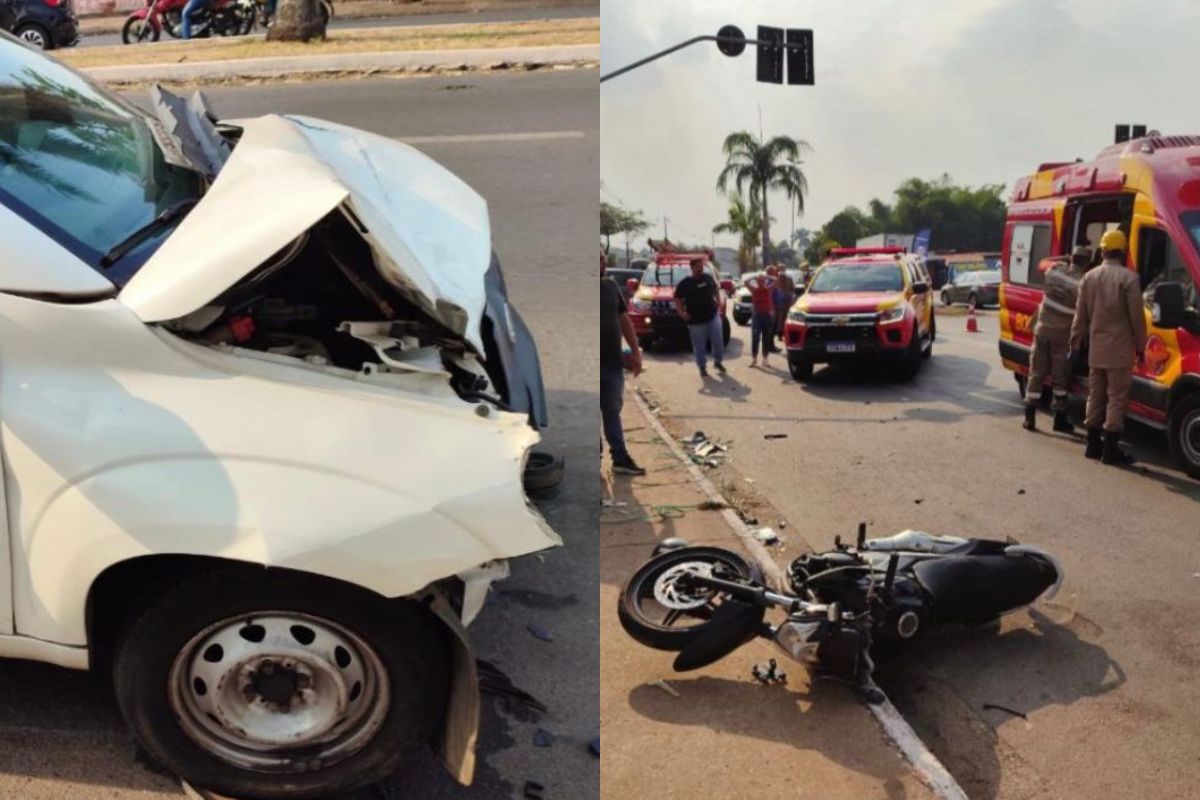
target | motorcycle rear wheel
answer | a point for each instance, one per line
(656, 612)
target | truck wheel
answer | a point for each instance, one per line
(274, 684)
(1184, 434)
(945, 298)
(800, 367)
(912, 356)
(932, 335)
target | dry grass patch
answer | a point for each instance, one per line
(361, 40)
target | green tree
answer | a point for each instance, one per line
(819, 247)
(614, 220)
(849, 225)
(745, 222)
(959, 217)
(762, 167)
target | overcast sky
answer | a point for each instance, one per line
(983, 90)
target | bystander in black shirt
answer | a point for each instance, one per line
(612, 306)
(699, 296)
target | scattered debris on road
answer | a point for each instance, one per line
(704, 451)
(768, 674)
(594, 747)
(666, 687)
(534, 790)
(775, 436)
(540, 632)
(543, 738)
(766, 536)
(495, 683)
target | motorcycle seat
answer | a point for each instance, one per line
(974, 588)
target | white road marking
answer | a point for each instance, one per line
(474, 138)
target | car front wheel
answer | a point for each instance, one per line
(272, 684)
(1184, 434)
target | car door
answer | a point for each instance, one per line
(1158, 260)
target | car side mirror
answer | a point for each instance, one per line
(1169, 309)
(632, 285)
(920, 288)
(727, 286)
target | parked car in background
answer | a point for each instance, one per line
(622, 276)
(652, 308)
(743, 309)
(976, 288)
(45, 24)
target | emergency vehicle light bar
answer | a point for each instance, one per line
(866, 251)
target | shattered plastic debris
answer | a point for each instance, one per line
(768, 674)
(775, 436)
(666, 687)
(766, 536)
(704, 451)
(594, 747)
(533, 790)
(495, 683)
(543, 738)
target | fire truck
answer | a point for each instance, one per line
(1149, 188)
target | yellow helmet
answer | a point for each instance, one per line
(1112, 240)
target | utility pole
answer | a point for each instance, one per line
(665, 237)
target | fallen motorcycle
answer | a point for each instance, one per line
(706, 602)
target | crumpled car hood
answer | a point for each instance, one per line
(428, 230)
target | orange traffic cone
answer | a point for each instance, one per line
(972, 323)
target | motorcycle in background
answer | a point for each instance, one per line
(218, 18)
(705, 602)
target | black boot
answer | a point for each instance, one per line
(1030, 423)
(1095, 443)
(1062, 424)
(1112, 453)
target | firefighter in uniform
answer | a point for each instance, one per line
(1052, 339)
(1111, 315)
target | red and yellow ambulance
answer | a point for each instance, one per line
(1149, 188)
(863, 303)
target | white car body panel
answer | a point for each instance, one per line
(121, 440)
(429, 231)
(33, 263)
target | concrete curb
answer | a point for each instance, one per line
(393, 61)
(924, 763)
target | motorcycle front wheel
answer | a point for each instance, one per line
(660, 611)
(136, 31)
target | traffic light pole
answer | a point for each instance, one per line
(733, 41)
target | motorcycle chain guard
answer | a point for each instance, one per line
(733, 624)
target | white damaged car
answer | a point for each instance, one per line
(264, 416)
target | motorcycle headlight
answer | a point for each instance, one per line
(799, 317)
(891, 315)
(797, 638)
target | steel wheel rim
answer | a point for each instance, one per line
(34, 36)
(279, 691)
(1189, 435)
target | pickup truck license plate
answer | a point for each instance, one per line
(839, 347)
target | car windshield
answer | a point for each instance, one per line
(987, 276)
(667, 275)
(1191, 221)
(79, 164)
(857, 278)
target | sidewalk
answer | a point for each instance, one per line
(725, 734)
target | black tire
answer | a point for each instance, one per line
(945, 298)
(911, 364)
(653, 633)
(928, 351)
(726, 330)
(34, 35)
(136, 31)
(800, 367)
(1182, 424)
(740, 320)
(407, 639)
(543, 473)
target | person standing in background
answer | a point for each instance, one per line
(615, 325)
(1111, 316)
(698, 300)
(782, 297)
(1051, 339)
(762, 320)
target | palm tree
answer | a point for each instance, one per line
(745, 222)
(761, 167)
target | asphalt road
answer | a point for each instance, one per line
(507, 15)
(1105, 673)
(60, 735)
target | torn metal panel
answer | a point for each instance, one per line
(428, 231)
(189, 123)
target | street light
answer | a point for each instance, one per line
(772, 44)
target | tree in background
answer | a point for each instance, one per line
(614, 220)
(762, 167)
(960, 217)
(819, 247)
(745, 222)
(297, 21)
